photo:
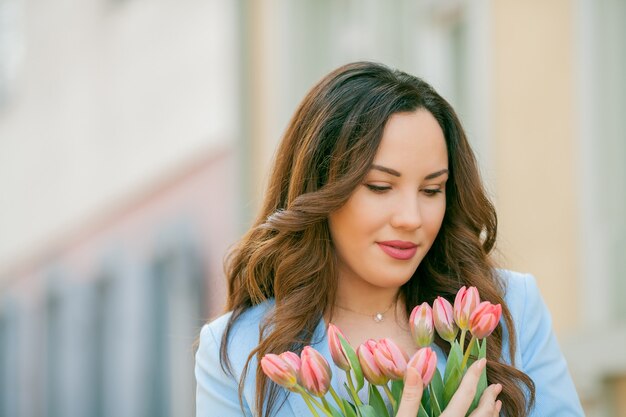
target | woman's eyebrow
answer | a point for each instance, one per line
(436, 174)
(387, 170)
(397, 174)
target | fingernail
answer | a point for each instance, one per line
(481, 364)
(498, 387)
(498, 405)
(411, 377)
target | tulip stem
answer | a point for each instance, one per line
(462, 340)
(467, 352)
(337, 400)
(357, 400)
(390, 395)
(308, 398)
(321, 406)
(308, 404)
(327, 406)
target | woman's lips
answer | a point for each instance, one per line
(398, 249)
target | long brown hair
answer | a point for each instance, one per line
(324, 155)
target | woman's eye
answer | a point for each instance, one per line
(432, 191)
(378, 188)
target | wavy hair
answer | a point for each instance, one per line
(324, 155)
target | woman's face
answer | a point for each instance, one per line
(390, 221)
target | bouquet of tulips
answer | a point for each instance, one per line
(383, 363)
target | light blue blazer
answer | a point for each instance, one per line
(537, 354)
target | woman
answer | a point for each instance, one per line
(374, 205)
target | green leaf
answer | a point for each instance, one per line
(483, 349)
(334, 411)
(474, 353)
(454, 360)
(421, 412)
(350, 410)
(437, 385)
(354, 362)
(350, 393)
(436, 390)
(425, 403)
(434, 404)
(482, 381)
(396, 390)
(367, 411)
(451, 385)
(377, 402)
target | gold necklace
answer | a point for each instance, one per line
(378, 317)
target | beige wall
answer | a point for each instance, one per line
(534, 147)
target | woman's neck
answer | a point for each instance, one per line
(356, 311)
(357, 318)
(360, 297)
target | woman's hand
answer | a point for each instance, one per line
(411, 395)
(460, 402)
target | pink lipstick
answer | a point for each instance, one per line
(398, 249)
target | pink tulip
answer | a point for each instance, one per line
(279, 370)
(292, 359)
(467, 299)
(371, 370)
(336, 350)
(425, 361)
(421, 324)
(484, 319)
(315, 372)
(444, 319)
(390, 359)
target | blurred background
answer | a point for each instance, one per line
(135, 138)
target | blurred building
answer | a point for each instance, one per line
(135, 139)
(120, 193)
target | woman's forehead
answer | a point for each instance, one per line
(411, 142)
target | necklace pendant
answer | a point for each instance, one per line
(378, 317)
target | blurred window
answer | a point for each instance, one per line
(157, 383)
(176, 315)
(604, 148)
(8, 358)
(103, 333)
(54, 335)
(611, 101)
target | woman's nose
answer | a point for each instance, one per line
(406, 214)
